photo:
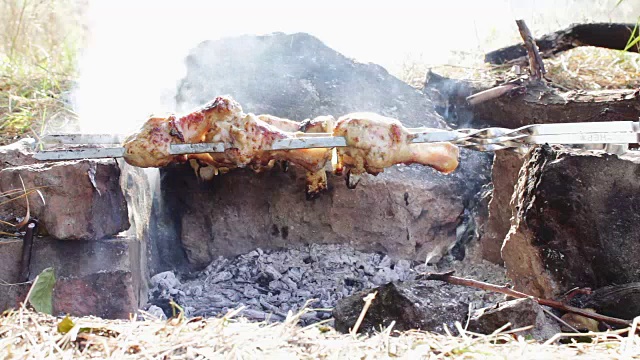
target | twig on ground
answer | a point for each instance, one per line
(367, 303)
(560, 320)
(454, 280)
(27, 216)
(631, 337)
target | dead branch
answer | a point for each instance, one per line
(604, 35)
(536, 67)
(27, 216)
(454, 280)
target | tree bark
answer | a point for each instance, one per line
(529, 104)
(610, 36)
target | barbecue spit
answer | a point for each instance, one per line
(220, 136)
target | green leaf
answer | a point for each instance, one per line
(65, 325)
(42, 291)
(634, 38)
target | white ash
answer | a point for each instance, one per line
(272, 283)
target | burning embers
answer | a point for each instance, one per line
(373, 143)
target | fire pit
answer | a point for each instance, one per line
(208, 244)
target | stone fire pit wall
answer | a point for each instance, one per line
(83, 213)
(575, 222)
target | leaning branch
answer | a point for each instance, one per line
(604, 35)
(454, 280)
(536, 67)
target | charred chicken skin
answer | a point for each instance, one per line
(373, 142)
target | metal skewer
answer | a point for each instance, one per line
(488, 139)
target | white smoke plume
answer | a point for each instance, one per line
(135, 54)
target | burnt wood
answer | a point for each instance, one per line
(622, 301)
(604, 35)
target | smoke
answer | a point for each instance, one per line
(136, 49)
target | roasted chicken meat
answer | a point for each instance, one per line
(244, 135)
(373, 143)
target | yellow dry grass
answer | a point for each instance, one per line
(592, 68)
(28, 335)
(582, 68)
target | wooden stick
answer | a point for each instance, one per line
(489, 94)
(454, 280)
(367, 302)
(536, 67)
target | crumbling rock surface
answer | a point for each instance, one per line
(89, 202)
(109, 295)
(520, 313)
(17, 153)
(98, 277)
(272, 283)
(428, 306)
(575, 222)
(504, 176)
(81, 200)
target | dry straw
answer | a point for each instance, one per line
(28, 335)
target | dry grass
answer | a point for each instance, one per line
(39, 42)
(28, 335)
(582, 68)
(591, 68)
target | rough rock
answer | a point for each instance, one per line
(575, 222)
(17, 153)
(138, 186)
(81, 200)
(109, 295)
(10, 259)
(504, 176)
(406, 212)
(93, 277)
(12, 295)
(297, 77)
(428, 306)
(520, 313)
